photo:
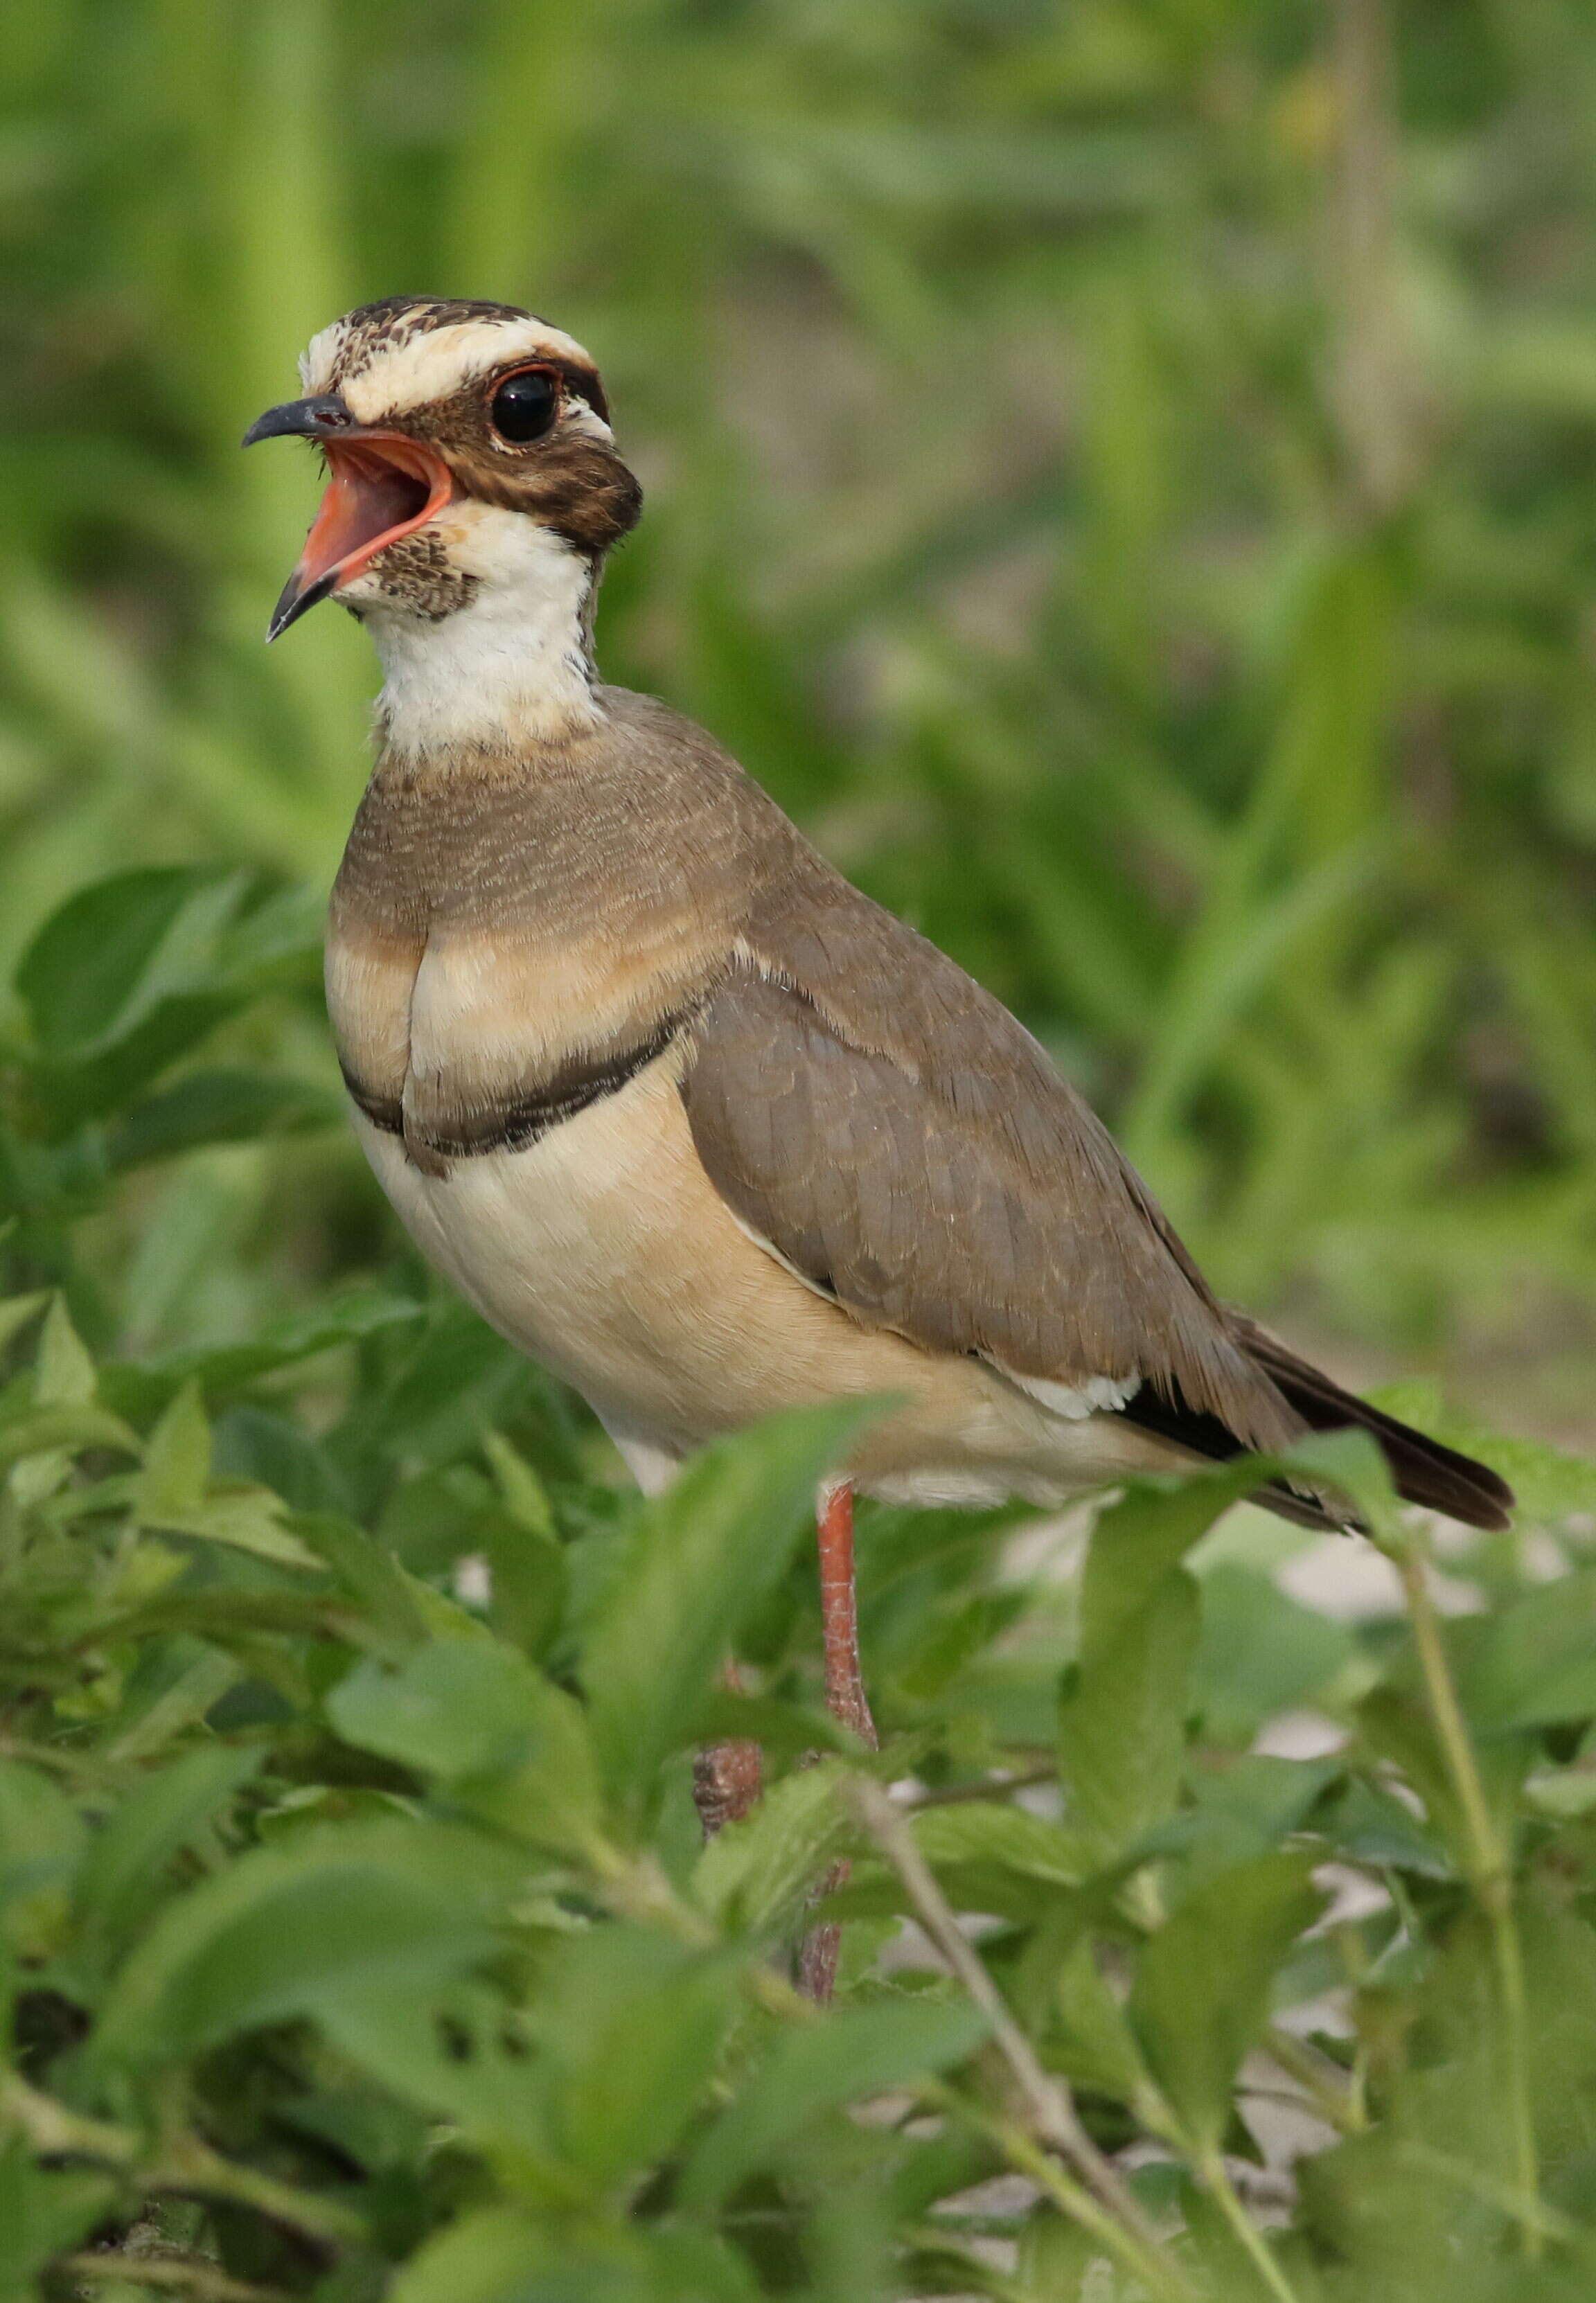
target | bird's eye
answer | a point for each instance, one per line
(525, 405)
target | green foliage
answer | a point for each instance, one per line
(1117, 473)
(356, 1938)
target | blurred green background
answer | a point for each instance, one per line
(1120, 472)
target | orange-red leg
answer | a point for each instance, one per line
(844, 1693)
(840, 1615)
(727, 1777)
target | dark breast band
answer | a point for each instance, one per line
(514, 1123)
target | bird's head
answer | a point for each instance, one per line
(470, 465)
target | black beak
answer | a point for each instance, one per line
(380, 487)
(296, 598)
(323, 417)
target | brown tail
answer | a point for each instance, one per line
(1425, 1471)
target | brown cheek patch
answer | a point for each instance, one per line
(575, 485)
(419, 572)
(578, 487)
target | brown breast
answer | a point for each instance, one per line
(511, 937)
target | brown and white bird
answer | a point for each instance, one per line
(681, 1112)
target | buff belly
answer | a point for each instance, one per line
(604, 1251)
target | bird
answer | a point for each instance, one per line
(685, 1114)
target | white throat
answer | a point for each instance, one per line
(511, 663)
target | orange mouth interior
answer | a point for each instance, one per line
(380, 489)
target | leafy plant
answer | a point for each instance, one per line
(1118, 473)
(356, 1935)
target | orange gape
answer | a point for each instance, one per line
(378, 491)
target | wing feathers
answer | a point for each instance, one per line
(1002, 1223)
(1425, 1469)
(898, 1138)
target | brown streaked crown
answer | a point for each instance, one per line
(429, 367)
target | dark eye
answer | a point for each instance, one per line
(525, 405)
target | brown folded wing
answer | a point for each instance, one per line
(897, 1138)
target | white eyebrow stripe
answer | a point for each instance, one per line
(398, 375)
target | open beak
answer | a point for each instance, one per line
(382, 486)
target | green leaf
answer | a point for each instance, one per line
(1255, 1799)
(1122, 1716)
(822, 2067)
(1097, 2044)
(112, 947)
(1122, 1721)
(65, 1376)
(42, 2213)
(501, 2254)
(1533, 1663)
(1368, 1826)
(787, 1730)
(529, 1581)
(42, 1839)
(1260, 1653)
(174, 1491)
(530, 1577)
(177, 1460)
(1202, 1990)
(991, 1857)
(525, 1496)
(758, 1872)
(132, 972)
(478, 1716)
(75, 1428)
(631, 2024)
(219, 1106)
(1141, 1540)
(701, 1559)
(392, 1598)
(989, 1831)
(245, 1517)
(16, 1310)
(450, 1708)
(1056, 2256)
(497, 2254)
(123, 1876)
(284, 1930)
(143, 1388)
(449, 2054)
(627, 2029)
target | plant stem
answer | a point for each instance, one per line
(1145, 2261)
(1095, 2193)
(1478, 2185)
(206, 2281)
(1489, 1866)
(1340, 2107)
(188, 2165)
(1259, 2252)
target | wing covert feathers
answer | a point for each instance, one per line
(899, 1140)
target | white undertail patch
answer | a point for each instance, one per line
(1098, 1395)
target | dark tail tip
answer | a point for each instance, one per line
(1425, 1471)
